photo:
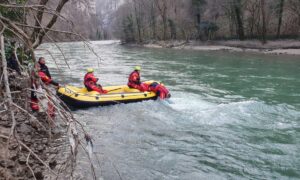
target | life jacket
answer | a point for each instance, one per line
(34, 104)
(47, 80)
(160, 90)
(134, 78)
(45, 69)
(90, 79)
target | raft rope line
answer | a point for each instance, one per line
(105, 96)
(71, 91)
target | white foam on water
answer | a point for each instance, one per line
(189, 102)
(198, 109)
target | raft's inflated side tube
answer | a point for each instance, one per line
(81, 98)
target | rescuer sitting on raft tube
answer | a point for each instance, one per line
(90, 82)
(135, 82)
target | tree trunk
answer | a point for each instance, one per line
(263, 14)
(7, 88)
(39, 18)
(40, 36)
(199, 25)
(163, 13)
(231, 20)
(239, 20)
(172, 27)
(165, 23)
(153, 21)
(138, 20)
(281, 4)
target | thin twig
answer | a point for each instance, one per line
(50, 29)
(112, 163)
(91, 163)
(30, 116)
(29, 150)
(17, 59)
(8, 93)
(1, 78)
(51, 57)
(19, 6)
(27, 163)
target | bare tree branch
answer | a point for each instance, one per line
(65, 59)
(8, 92)
(27, 163)
(29, 150)
(40, 36)
(20, 32)
(19, 6)
(39, 18)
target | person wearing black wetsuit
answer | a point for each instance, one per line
(43, 67)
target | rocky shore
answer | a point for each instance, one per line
(16, 159)
(289, 47)
(36, 146)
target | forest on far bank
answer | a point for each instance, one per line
(145, 20)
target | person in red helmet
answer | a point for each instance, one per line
(134, 80)
(161, 91)
(90, 82)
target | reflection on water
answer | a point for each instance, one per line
(231, 116)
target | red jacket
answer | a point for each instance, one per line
(90, 80)
(44, 77)
(47, 80)
(160, 90)
(134, 79)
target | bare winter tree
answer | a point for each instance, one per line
(38, 34)
(280, 13)
(165, 20)
(162, 9)
(138, 17)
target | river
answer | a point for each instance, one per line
(231, 115)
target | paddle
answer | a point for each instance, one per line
(114, 89)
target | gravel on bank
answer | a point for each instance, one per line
(290, 47)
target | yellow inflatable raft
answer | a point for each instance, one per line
(81, 97)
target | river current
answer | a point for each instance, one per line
(231, 115)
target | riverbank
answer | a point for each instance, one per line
(290, 47)
(17, 158)
(36, 149)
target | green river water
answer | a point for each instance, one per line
(231, 115)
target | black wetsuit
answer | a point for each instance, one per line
(45, 69)
(13, 64)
